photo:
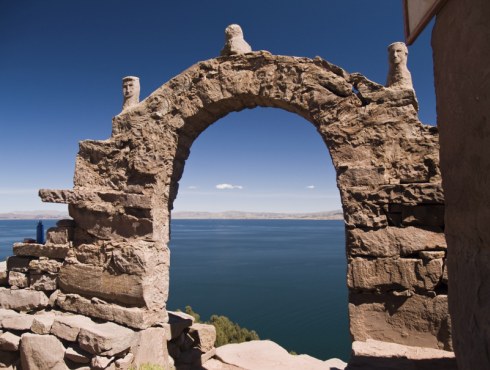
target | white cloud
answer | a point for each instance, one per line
(310, 187)
(228, 187)
(192, 187)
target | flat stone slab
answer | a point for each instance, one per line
(265, 354)
(6, 313)
(42, 323)
(58, 251)
(40, 352)
(9, 342)
(373, 354)
(204, 336)
(45, 265)
(22, 299)
(68, 327)
(20, 322)
(106, 339)
(134, 317)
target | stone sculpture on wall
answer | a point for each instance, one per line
(234, 41)
(131, 91)
(398, 74)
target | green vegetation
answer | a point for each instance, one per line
(226, 330)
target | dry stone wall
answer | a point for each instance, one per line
(387, 164)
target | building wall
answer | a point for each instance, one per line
(461, 47)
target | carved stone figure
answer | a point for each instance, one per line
(131, 91)
(234, 41)
(398, 75)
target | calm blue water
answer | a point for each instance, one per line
(13, 231)
(283, 278)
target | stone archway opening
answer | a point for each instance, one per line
(273, 276)
(388, 176)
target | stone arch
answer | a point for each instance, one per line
(387, 173)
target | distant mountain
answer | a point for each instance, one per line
(34, 215)
(237, 215)
(228, 215)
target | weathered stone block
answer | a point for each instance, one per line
(22, 299)
(362, 176)
(150, 346)
(34, 356)
(7, 313)
(386, 274)
(204, 336)
(44, 264)
(18, 279)
(55, 251)
(92, 280)
(21, 322)
(42, 323)
(106, 339)
(100, 362)
(134, 317)
(373, 354)
(394, 241)
(424, 215)
(59, 235)
(137, 275)
(103, 222)
(68, 327)
(432, 255)
(414, 321)
(45, 282)
(9, 342)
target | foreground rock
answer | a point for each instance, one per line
(373, 354)
(265, 354)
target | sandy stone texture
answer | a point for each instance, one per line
(387, 165)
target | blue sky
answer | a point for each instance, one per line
(61, 64)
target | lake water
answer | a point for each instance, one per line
(283, 278)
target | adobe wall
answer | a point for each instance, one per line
(460, 41)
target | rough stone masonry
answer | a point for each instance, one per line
(116, 264)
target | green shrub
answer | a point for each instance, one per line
(227, 331)
(230, 332)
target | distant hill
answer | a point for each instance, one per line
(237, 215)
(227, 215)
(33, 215)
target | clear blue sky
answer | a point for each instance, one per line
(61, 64)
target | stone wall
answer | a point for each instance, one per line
(460, 41)
(387, 174)
(52, 339)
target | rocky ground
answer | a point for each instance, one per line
(369, 355)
